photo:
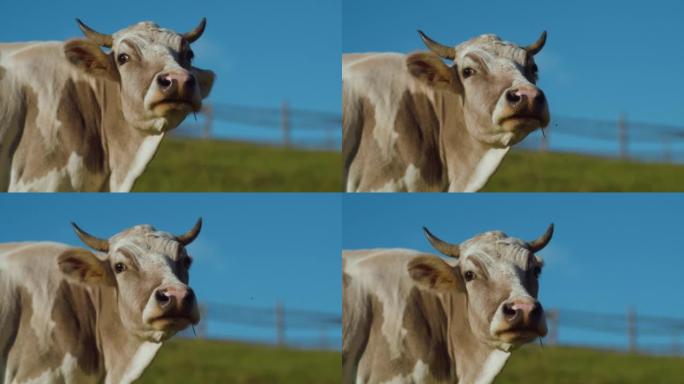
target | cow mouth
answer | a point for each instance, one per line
(519, 335)
(173, 322)
(175, 104)
(521, 118)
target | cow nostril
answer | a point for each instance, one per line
(190, 82)
(189, 297)
(536, 312)
(161, 296)
(164, 81)
(508, 311)
(512, 96)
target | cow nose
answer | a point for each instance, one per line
(519, 310)
(519, 95)
(181, 296)
(183, 80)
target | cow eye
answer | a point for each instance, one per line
(123, 58)
(119, 267)
(469, 275)
(467, 72)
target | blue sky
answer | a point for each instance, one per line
(263, 51)
(602, 58)
(610, 252)
(254, 249)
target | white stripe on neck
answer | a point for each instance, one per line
(492, 366)
(485, 168)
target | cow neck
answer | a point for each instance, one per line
(473, 360)
(125, 356)
(469, 163)
(127, 149)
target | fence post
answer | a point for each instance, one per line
(544, 140)
(208, 121)
(632, 330)
(285, 123)
(202, 326)
(676, 349)
(623, 136)
(667, 153)
(554, 317)
(280, 323)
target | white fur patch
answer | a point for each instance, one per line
(142, 358)
(492, 366)
(70, 177)
(484, 169)
(141, 158)
(412, 181)
(420, 374)
(390, 291)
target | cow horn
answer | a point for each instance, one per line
(442, 50)
(451, 250)
(90, 240)
(197, 32)
(537, 46)
(540, 243)
(95, 36)
(190, 235)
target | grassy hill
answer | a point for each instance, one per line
(203, 361)
(194, 165)
(526, 171)
(186, 165)
(589, 366)
(210, 361)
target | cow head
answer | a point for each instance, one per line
(149, 271)
(496, 80)
(499, 276)
(153, 67)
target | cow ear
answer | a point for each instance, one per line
(430, 69)
(88, 57)
(431, 272)
(84, 267)
(205, 79)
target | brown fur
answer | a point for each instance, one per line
(368, 150)
(419, 129)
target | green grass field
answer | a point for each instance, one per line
(209, 361)
(202, 361)
(187, 165)
(526, 171)
(195, 165)
(588, 366)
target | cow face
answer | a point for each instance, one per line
(499, 276)
(149, 271)
(153, 67)
(497, 83)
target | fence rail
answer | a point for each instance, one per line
(628, 331)
(284, 126)
(287, 126)
(619, 138)
(291, 326)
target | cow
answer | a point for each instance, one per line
(412, 317)
(76, 118)
(413, 123)
(73, 315)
